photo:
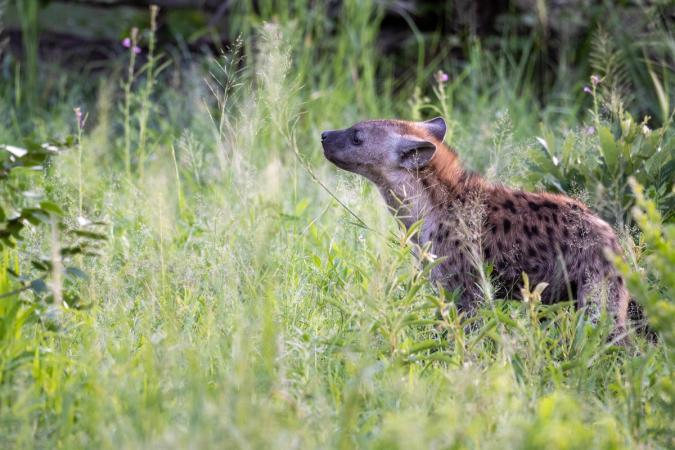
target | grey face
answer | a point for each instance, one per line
(379, 149)
(355, 149)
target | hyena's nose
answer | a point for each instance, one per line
(324, 136)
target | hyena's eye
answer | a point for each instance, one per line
(357, 138)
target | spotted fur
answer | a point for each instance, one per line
(466, 220)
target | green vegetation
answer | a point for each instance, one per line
(211, 282)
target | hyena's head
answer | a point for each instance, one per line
(384, 150)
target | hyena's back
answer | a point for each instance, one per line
(553, 239)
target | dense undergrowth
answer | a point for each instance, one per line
(248, 295)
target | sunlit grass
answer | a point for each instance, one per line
(237, 304)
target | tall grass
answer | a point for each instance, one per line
(237, 304)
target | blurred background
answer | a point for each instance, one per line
(553, 46)
(180, 267)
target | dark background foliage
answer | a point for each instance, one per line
(556, 39)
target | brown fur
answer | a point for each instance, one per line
(552, 238)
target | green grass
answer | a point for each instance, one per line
(237, 304)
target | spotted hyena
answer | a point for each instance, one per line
(552, 238)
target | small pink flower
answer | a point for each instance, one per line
(127, 42)
(596, 80)
(79, 117)
(590, 130)
(441, 77)
(588, 90)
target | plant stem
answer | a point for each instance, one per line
(127, 103)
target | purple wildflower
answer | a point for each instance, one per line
(441, 77)
(589, 130)
(588, 90)
(126, 42)
(596, 80)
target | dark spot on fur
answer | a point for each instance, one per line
(509, 205)
(554, 218)
(486, 253)
(531, 230)
(531, 252)
(520, 194)
(564, 247)
(546, 219)
(619, 280)
(533, 206)
(581, 232)
(549, 204)
(542, 246)
(491, 227)
(456, 242)
(500, 246)
(507, 226)
(495, 208)
(446, 234)
(550, 232)
(425, 183)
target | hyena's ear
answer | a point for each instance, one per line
(436, 127)
(414, 153)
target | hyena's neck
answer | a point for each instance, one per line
(430, 193)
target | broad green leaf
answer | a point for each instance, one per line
(567, 150)
(609, 148)
(90, 234)
(39, 265)
(51, 207)
(38, 286)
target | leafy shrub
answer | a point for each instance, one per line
(35, 287)
(598, 161)
(653, 286)
(655, 291)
